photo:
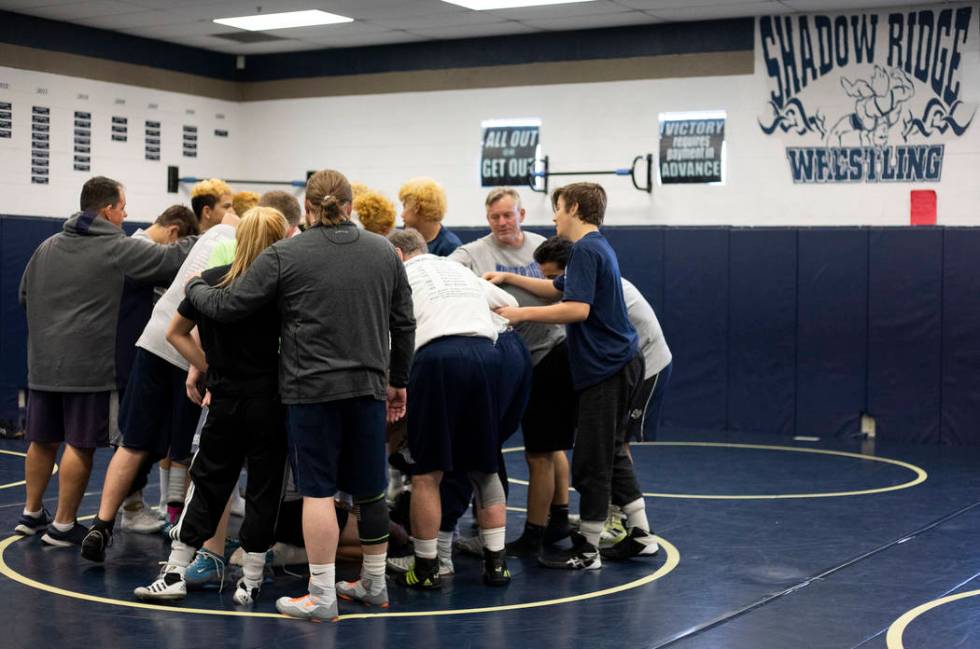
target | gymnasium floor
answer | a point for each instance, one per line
(769, 543)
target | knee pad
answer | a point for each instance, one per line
(488, 488)
(372, 519)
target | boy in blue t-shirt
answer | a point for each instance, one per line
(607, 370)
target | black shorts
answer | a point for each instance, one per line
(454, 418)
(338, 445)
(646, 408)
(549, 420)
(156, 414)
(515, 382)
(81, 419)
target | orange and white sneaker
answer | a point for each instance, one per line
(312, 606)
(362, 590)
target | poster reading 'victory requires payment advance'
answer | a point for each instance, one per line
(692, 147)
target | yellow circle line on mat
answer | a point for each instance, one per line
(893, 639)
(673, 558)
(920, 473)
(21, 482)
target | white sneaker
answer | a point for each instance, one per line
(401, 565)
(313, 606)
(472, 545)
(245, 592)
(140, 521)
(168, 587)
(286, 554)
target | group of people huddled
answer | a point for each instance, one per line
(364, 378)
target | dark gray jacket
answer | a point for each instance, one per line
(341, 291)
(72, 288)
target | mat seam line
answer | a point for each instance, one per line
(768, 599)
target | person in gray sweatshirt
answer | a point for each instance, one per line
(342, 295)
(72, 289)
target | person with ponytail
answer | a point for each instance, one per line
(245, 421)
(348, 336)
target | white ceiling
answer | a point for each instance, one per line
(383, 22)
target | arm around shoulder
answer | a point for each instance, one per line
(249, 292)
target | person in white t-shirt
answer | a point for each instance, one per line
(157, 418)
(467, 390)
(548, 425)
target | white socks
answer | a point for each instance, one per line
(636, 515)
(253, 567)
(373, 572)
(33, 514)
(164, 478)
(445, 546)
(323, 578)
(591, 530)
(181, 556)
(494, 538)
(426, 548)
(176, 486)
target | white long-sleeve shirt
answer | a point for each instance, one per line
(450, 300)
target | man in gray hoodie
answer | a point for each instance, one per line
(72, 289)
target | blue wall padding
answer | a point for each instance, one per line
(775, 330)
(695, 322)
(905, 332)
(641, 260)
(762, 330)
(20, 236)
(961, 331)
(832, 330)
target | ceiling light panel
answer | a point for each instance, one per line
(286, 20)
(487, 5)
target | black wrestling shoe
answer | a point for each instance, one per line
(424, 575)
(526, 545)
(495, 572)
(581, 556)
(95, 543)
(638, 543)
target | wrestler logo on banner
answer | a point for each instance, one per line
(872, 96)
(510, 148)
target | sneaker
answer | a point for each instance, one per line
(246, 593)
(471, 545)
(613, 531)
(495, 572)
(523, 546)
(95, 543)
(308, 607)
(207, 568)
(581, 556)
(59, 539)
(168, 587)
(401, 565)
(638, 543)
(140, 521)
(423, 575)
(356, 591)
(31, 525)
(286, 554)
(231, 546)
